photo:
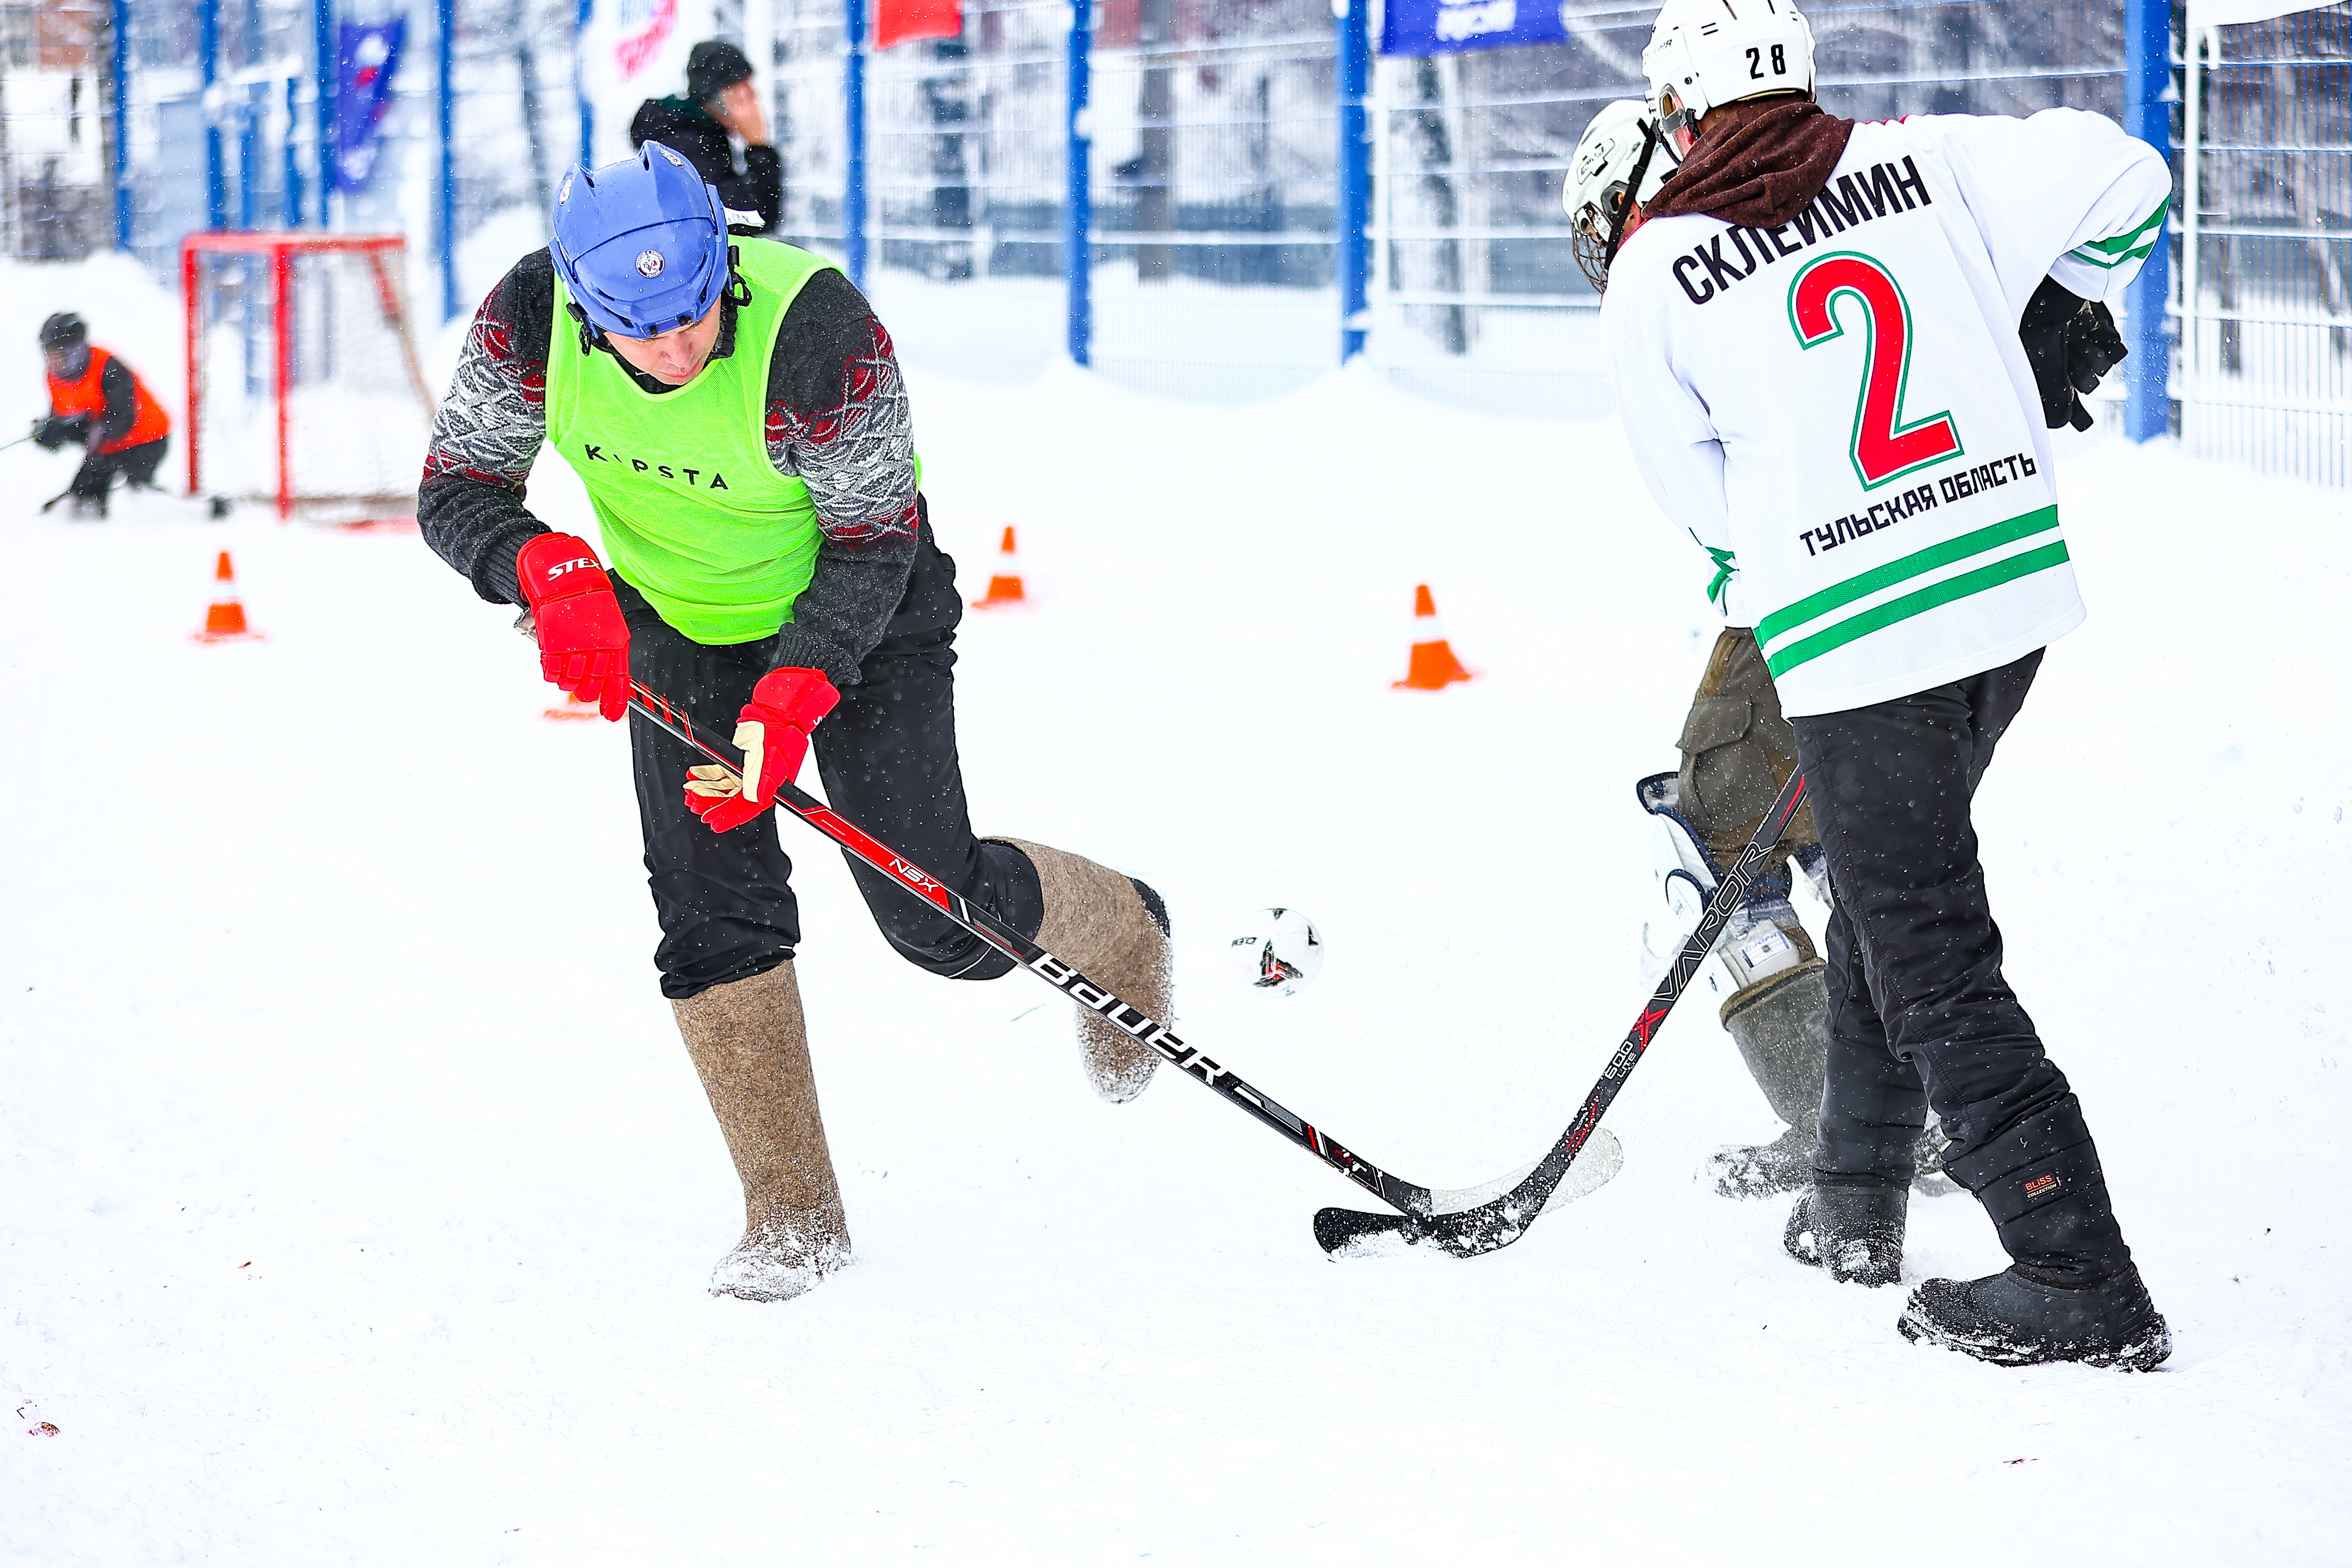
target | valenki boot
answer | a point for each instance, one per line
(1115, 930)
(750, 1043)
(1780, 1026)
(2071, 1291)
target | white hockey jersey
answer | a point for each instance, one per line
(1839, 408)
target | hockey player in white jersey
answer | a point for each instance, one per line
(1814, 335)
(1738, 751)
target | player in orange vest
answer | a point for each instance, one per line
(97, 400)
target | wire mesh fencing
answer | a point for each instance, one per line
(55, 134)
(515, 127)
(1476, 295)
(1211, 173)
(967, 145)
(2265, 297)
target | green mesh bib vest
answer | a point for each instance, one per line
(693, 515)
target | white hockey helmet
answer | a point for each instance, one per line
(1704, 53)
(1618, 148)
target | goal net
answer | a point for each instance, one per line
(304, 387)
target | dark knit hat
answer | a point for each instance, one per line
(713, 67)
(64, 331)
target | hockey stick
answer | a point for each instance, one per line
(1472, 1231)
(1410, 1198)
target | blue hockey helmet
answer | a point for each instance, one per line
(641, 245)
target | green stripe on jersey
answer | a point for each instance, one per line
(1910, 604)
(2130, 247)
(1815, 605)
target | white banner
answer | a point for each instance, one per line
(632, 50)
(2231, 12)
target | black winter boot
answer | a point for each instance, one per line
(1851, 1222)
(2071, 1292)
(1851, 1227)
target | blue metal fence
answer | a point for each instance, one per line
(1201, 195)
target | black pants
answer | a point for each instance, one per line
(1915, 981)
(137, 465)
(887, 758)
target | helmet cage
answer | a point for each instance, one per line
(1597, 223)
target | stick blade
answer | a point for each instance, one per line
(1470, 1231)
(1348, 1231)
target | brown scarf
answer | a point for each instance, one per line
(1762, 172)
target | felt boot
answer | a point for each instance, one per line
(750, 1043)
(1780, 1025)
(1114, 930)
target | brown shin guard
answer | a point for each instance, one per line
(750, 1043)
(1096, 920)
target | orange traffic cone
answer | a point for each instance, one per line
(575, 708)
(224, 621)
(1005, 588)
(1434, 665)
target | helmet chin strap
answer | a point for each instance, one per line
(589, 335)
(1622, 208)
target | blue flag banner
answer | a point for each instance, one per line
(1448, 27)
(367, 56)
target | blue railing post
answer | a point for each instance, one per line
(445, 27)
(118, 70)
(2148, 114)
(580, 82)
(1077, 196)
(248, 157)
(289, 201)
(323, 31)
(214, 102)
(853, 172)
(1352, 258)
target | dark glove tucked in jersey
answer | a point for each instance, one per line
(583, 644)
(58, 429)
(2071, 343)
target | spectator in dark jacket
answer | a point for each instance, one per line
(719, 99)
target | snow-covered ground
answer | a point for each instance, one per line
(356, 1197)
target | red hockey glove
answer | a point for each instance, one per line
(583, 644)
(775, 735)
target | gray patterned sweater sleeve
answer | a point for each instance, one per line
(469, 503)
(839, 419)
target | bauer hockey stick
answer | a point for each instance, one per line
(1409, 1197)
(1468, 1232)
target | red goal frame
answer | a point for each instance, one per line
(280, 247)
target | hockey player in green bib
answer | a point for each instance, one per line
(736, 415)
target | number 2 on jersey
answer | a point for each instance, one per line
(1884, 447)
